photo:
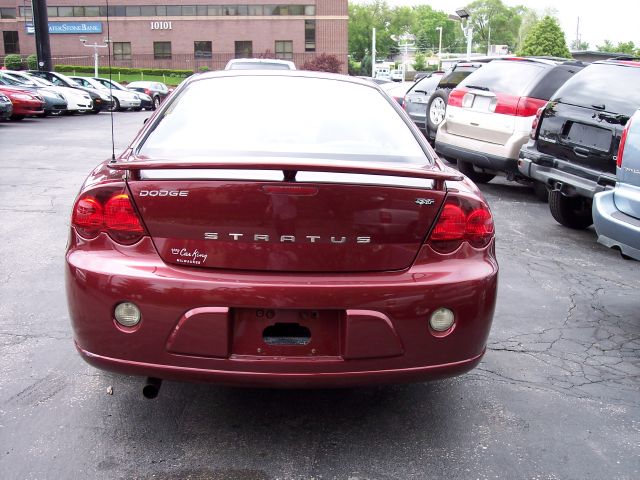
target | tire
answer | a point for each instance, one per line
(156, 103)
(136, 109)
(436, 109)
(572, 212)
(466, 168)
(115, 107)
(541, 192)
(17, 117)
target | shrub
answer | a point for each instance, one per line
(13, 61)
(323, 63)
(32, 62)
(204, 68)
(123, 70)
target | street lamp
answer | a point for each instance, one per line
(95, 47)
(468, 31)
(405, 40)
(439, 47)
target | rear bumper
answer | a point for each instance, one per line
(380, 320)
(615, 228)
(566, 177)
(485, 155)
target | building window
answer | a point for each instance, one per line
(284, 49)
(91, 11)
(132, 11)
(161, 50)
(7, 13)
(11, 44)
(244, 49)
(255, 10)
(309, 35)
(202, 49)
(65, 11)
(122, 50)
(148, 11)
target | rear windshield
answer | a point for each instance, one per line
(458, 74)
(282, 116)
(258, 66)
(613, 88)
(426, 84)
(510, 77)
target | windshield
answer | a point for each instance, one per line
(7, 80)
(282, 116)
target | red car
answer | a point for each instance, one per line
(309, 244)
(25, 103)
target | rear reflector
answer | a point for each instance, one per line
(623, 140)
(462, 219)
(107, 209)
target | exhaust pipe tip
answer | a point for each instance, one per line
(151, 388)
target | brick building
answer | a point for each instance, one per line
(162, 34)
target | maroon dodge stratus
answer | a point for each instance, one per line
(280, 229)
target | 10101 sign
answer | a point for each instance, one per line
(161, 26)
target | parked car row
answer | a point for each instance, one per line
(37, 93)
(555, 124)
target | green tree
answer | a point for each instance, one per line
(626, 47)
(529, 18)
(420, 62)
(546, 38)
(579, 45)
(427, 20)
(607, 46)
(362, 19)
(493, 15)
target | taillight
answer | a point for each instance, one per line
(147, 91)
(456, 96)
(535, 123)
(462, 219)
(108, 210)
(517, 106)
(623, 140)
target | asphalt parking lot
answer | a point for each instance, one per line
(556, 396)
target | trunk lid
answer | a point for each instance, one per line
(312, 226)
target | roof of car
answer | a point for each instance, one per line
(278, 73)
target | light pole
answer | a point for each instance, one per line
(405, 40)
(439, 47)
(373, 54)
(468, 31)
(95, 47)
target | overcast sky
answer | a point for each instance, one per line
(616, 20)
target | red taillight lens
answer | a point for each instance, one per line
(456, 96)
(623, 140)
(517, 106)
(88, 217)
(462, 219)
(107, 210)
(147, 91)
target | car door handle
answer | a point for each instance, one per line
(581, 152)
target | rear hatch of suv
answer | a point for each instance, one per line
(585, 119)
(501, 98)
(415, 101)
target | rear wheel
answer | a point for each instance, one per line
(156, 102)
(572, 212)
(436, 110)
(466, 168)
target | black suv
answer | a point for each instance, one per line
(574, 139)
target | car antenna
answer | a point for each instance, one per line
(113, 141)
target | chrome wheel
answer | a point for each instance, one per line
(437, 111)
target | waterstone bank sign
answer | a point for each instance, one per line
(70, 27)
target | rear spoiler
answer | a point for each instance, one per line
(386, 169)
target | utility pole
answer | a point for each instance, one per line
(41, 30)
(373, 54)
(578, 35)
(95, 47)
(439, 47)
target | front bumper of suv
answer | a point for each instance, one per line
(562, 175)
